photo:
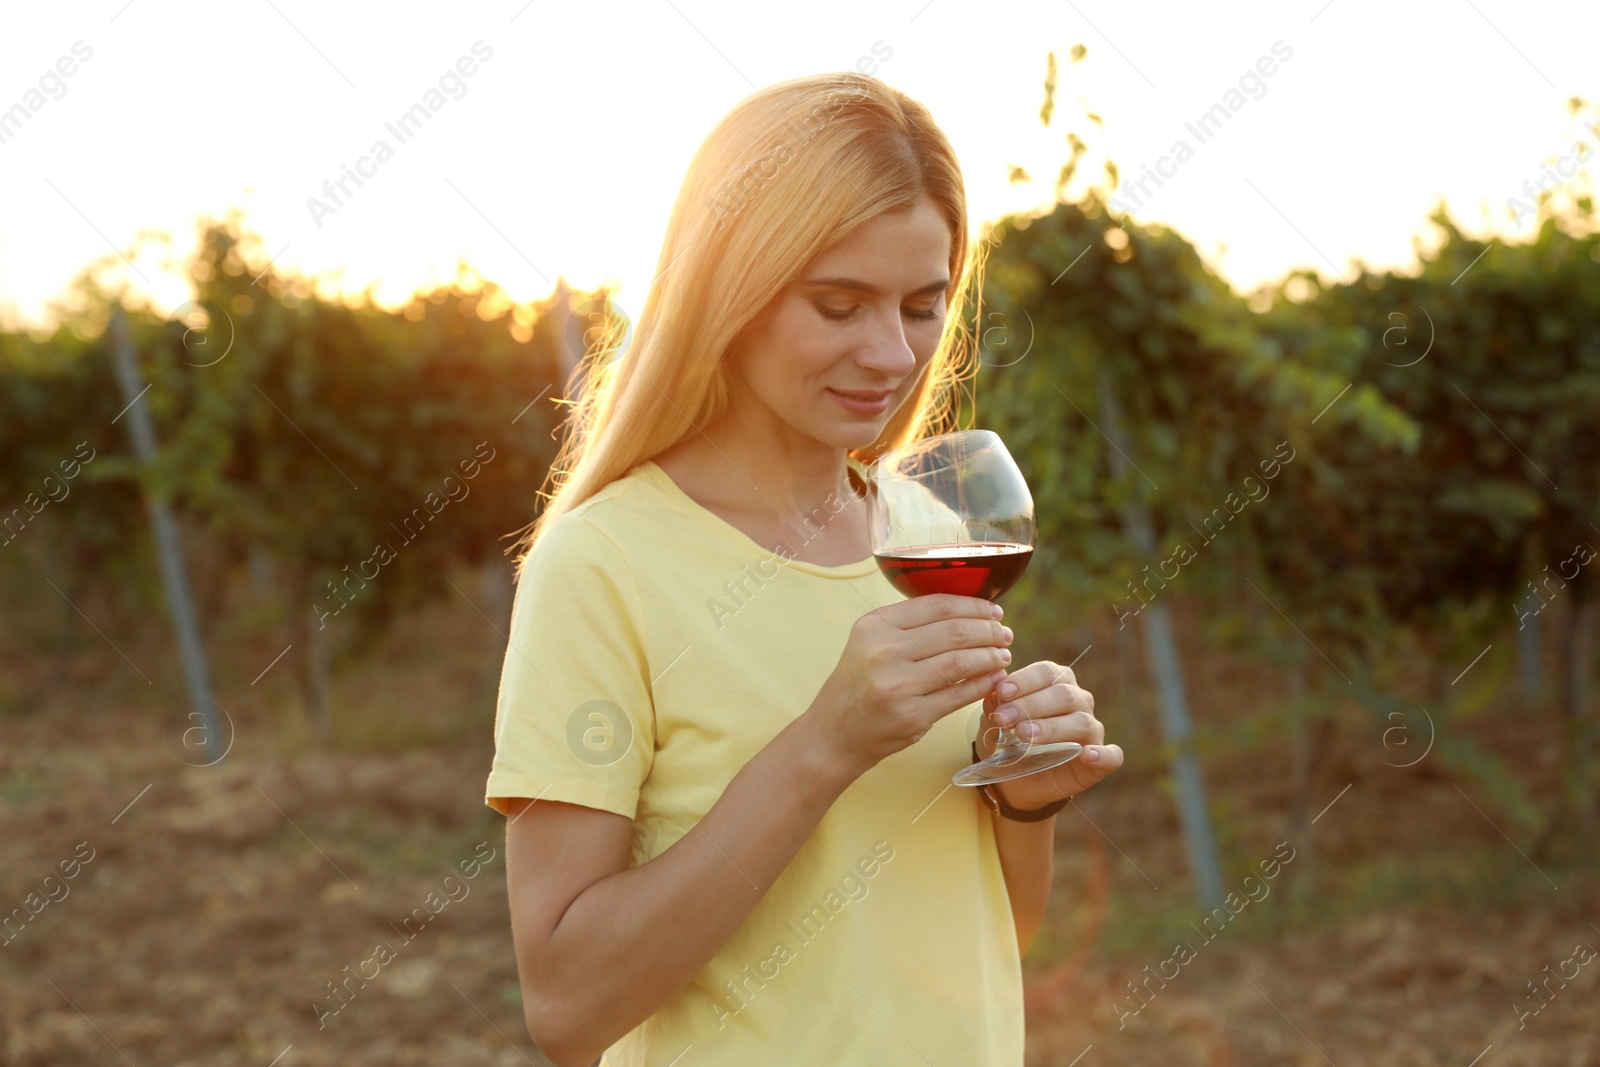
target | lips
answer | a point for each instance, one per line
(864, 397)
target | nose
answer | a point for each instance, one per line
(888, 352)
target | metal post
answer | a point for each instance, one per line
(169, 553)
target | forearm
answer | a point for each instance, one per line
(610, 961)
(1026, 859)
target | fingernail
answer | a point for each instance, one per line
(997, 611)
(1009, 689)
(1028, 729)
(1007, 631)
(1091, 753)
(1006, 714)
(1005, 655)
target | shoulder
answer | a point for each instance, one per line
(579, 578)
(604, 535)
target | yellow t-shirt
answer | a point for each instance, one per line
(654, 649)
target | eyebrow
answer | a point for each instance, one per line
(866, 287)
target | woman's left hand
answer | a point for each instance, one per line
(1047, 705)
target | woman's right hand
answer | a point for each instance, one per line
(906, 666)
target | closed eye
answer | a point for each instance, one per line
(841, 316)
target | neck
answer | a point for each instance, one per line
(783, 481)
(764, 473)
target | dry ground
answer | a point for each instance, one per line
(217, 907)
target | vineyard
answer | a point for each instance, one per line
(1325, 552)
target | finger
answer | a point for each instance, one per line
(954, 697)
(946, 634)
(918, 611)
(988, 739)
(1094, 765)
(1064, 674)
(1102, 759)
(1079, 726)
(948, 668)
(1025, 680)
(1048, 702)
(1037, 676)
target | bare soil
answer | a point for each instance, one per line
(220, 903)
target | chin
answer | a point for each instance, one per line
(855, 433)
(847, 438)
(838, 429)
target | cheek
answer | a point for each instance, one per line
(923, 347)
(793, 353)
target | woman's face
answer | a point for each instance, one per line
(863, 318)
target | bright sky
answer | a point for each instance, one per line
(565, 150)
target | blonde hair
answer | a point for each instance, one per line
(789, 171)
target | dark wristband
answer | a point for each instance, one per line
(998, 805)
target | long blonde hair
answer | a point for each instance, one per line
(789, 171)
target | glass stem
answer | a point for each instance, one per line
(1008, 740)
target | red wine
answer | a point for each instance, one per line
(975, 568)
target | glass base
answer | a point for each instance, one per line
(1017, 762)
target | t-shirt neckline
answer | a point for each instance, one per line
(710, 519)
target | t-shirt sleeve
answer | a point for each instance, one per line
(574, 720)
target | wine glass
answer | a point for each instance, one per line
(952, 514)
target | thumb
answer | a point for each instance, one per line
(988, 736)
(1097, 762)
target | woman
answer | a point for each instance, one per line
(724, 742)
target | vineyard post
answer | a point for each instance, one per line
(169, 553)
